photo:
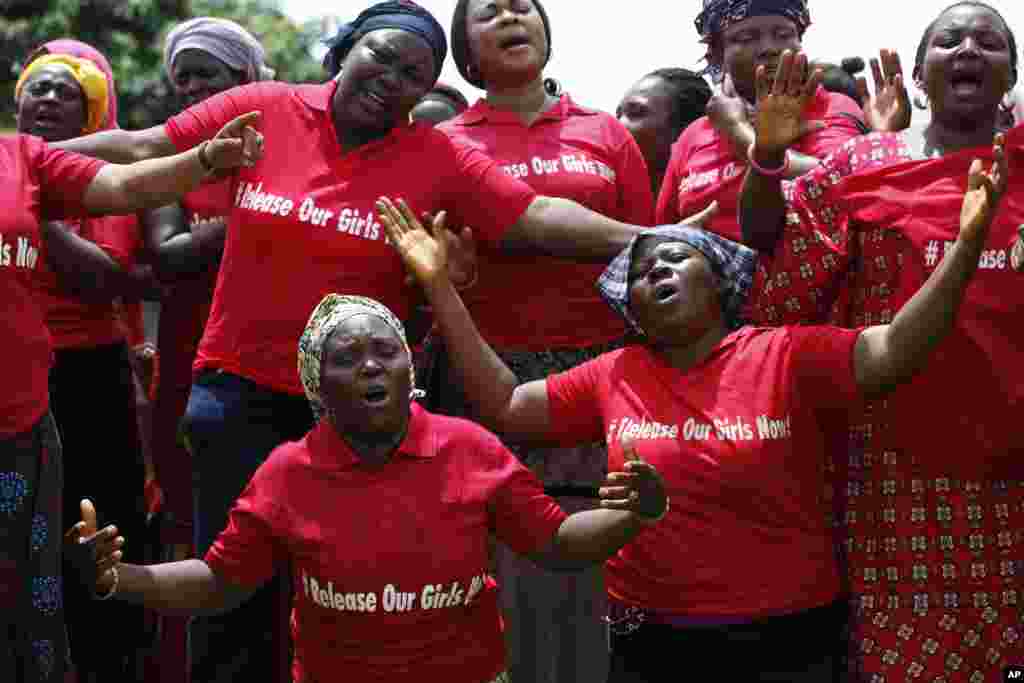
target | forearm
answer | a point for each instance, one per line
(188, 587)
(125, 188)
(120, 146)
(82, 268)
(590, 537)
(562, 228)
(488, 383)
(762, 211)
(923, 322)
(190, 253)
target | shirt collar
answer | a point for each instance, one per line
(482, 112)
(328, 448)
(318, 98)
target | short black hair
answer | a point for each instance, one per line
(922, 47)
(460, 41)
(691, 94)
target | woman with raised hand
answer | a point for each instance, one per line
(303, 223)
(384, 511)
(738, 421)
(560, 149)
(40, 184)
(657, 109)
(930, 534)
(709, 159)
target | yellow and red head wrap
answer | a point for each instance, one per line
(89, 77)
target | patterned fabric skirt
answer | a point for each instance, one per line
(33, 646)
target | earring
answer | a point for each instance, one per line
(921, 100)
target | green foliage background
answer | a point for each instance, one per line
(131, 32)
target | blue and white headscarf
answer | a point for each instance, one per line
(731, 261)
(719, 15)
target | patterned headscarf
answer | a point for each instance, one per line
(400, 14)
(222, 38)
(332, 311)
(732, 262)
(719, 15)
(90, 79)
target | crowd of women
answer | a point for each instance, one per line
(723, 381)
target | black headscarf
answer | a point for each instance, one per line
(719, 15)
(460, 41)
(400, 14)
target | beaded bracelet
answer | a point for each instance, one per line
(769, 172)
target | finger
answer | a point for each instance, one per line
(639, 468)
(862, 89)
(73, 534)
(617, 493)
(762, 82)
(620, 478)
(409, 215)
(704, 217)
(467, 236)
(876, 72)
(629, 449)
(782, 73)
(437, 226)
(890, 65)
(813, 81)
(88, 517)
(797, 75)
(240, 122)
(897, 65)
(975, 175)
(392, 214)
(109, 562)
(609, 504)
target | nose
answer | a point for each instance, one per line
(371, 367)
(658, 272)
(969, 45)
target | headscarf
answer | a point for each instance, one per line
(460, 42)
(222, 38)
(331, 312)
(719, 15)
(732, 262)
(399, 14)
(90, 79)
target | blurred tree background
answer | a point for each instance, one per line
(131, 33)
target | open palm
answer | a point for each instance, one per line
(424, 255)
(984, 190)
(888, 109)
(782, 99)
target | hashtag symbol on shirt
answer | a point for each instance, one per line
(931, 253)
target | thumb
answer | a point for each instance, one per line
(238, 124)
(629, 449)
(704, 217)
(88, 518)
(975, 176)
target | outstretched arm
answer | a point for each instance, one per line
(887, 355)
(120, 146)
(187, 587)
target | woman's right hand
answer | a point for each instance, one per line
(781, 100)
(424, 255)
(237, 144)
(92, 553)
(984, 190)
(888, 110)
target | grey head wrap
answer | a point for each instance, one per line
(222, 38)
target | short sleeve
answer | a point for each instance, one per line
(119, 237)
(574, 405)
(636, 201)
(667, 210)
(204, 120)
(521, 515)
(822, 362)
(63, 178)
(480, 195)
(248, 551)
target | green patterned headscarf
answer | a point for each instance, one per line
(333, 310)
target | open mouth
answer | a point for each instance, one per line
(515, 41)
(48, 119)
(967, 82)
(375, 396)
(664, 292)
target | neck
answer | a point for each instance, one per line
(528, 100)
(683, 356)
(354, 138)
(947, 137)
(374, 449)
(657, 172)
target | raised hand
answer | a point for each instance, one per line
(424, 255)
(93, 553)
(1017, 253)
(729, 113)
(781, 101)
(888, 110)
(984, 190)
(462, 257)
(703, 218)
(237, 144)
(639, 488)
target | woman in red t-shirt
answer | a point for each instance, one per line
(931, 536)
(541, 136)
(42, 183)
(741, 575)
(657, 109)
(88, 264)
(384, 511)
(710, 157)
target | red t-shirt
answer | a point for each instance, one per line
(390, 563)
(740, 441)
(303, 222)
(74, 322)
(571, 152)
(935, 494)
(705, 168)
(39, 183)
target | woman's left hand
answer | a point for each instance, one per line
(423, 254)
(984, 190)
(639, 489)
(888, 110)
